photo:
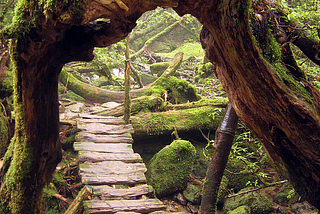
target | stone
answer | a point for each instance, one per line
(193, 194)
(110, 105)
(180, 199)
(170, 169)
(76, 108)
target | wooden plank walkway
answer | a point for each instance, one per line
(113, 173)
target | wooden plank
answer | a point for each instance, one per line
(100, 128)
(98, 157)
(113, 206)
(111, 120)
(107, 192)
(129, 179)
(103, 147)
(119, 138)
(110, 168)
(92, 116)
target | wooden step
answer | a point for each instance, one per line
(92, 116)
(128, 179)
(107, 192)
(110, 121)
(100, 128)
(110, 168)
(113, 206)
(120, 138)
(98, 157)
(103, 147)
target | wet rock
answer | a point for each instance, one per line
(192, 208)
(193, 194)
(110, 105)
(170, 169)
(180, 199)
(76, 108)
(258, 203)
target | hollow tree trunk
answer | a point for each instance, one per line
(287, 126)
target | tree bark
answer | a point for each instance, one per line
(223, 141)
(287, 126)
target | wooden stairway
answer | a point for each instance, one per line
(113, 173)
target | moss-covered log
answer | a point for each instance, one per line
(155, 123)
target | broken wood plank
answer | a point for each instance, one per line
(110, 121)
(120, 138)
(100, 128)
(103, 147)
(107, 192)
(98, 157)
(110, 168)
(113, 206)
(129, 179)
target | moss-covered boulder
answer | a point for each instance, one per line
(169, 170)
(258, 203)
(159, 68)
(241, 210)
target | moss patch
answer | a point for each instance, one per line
(169, 170)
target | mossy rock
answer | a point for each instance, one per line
(159, 68)
(179, 91)
(193, 194)
(240, 176)
(258, 203)
(241, 210)
(284, 196)
(204, 70)
(170, 169)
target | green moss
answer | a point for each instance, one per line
(179, 91)
(193, 194)
(165, 122)
(241, 210)
(169, 170)
(159, 68)
(258, 203)
(4, 133)
(147, 103)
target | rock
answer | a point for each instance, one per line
(258, 203)
(169, 170)
(303, 207)
(76, 108)
(180, 199)
(193, 208)
(240, 210)
(193, 194)
(110, 105)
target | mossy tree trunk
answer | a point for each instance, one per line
(51, 33)
(282, 113)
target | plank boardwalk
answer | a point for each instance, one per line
(112, 172)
